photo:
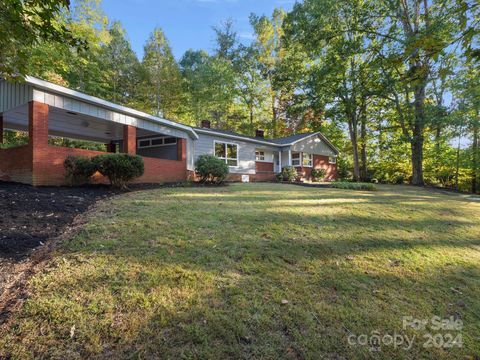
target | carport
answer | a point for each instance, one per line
(48, 110)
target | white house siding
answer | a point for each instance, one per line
(246, 152)
(313, 145)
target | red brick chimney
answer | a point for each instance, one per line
(260, 133)
(206, 124)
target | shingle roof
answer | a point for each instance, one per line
(274, 142)
(291, 139)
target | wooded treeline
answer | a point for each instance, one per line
(393, 83)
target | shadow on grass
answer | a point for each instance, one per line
(178, 274)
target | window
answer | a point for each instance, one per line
(159, 141)
(227, 152)
(332, 159)
(307, 160)
(295, 159)
(259, 155)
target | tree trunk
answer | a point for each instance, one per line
(417, 138)
(363, 139)
(352, 127)
(457, 165)
(274, 117)
(475, 156)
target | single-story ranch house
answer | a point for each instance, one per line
(169, 149)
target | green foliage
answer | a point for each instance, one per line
(79, 169)
(119, 168)
(211, 169)
(318, 174)
(353, 186)
(288, 173)
(23, 24)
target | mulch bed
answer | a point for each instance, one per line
(30, 217)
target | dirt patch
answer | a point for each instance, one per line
(31, 219)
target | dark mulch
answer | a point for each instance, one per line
(30, 217)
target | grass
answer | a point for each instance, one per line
(353, 186)
(201, 273)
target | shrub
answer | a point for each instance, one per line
(211, 169)
(354, 186)
(318, 174)
(119, 168)
(279, 177)
(289, 173)
(78, 169)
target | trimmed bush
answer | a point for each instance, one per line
(318, 174)
(120, 169)
(211, 169)
(353, 186)
(79, 169)
(289, 174)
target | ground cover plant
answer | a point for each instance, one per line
(256, 271)
(347, 185)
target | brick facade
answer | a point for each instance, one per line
(319, 162)
(264, 171)
(129, 139)
(1, 129)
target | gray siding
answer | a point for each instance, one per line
(313, 145)
(246, 152)
(13, 95)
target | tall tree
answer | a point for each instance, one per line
(268, 44)
(120, 66)
(341, 56)
(161, 86)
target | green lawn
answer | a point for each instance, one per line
(201, 273)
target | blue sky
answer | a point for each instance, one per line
(187, 23)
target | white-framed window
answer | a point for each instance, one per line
(332, 159)
(259, 155)
(295, 159)
(307, 160)
(154, 142)
(227, 151)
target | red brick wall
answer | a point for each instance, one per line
(129, 139)
(264, 171)
(52, 172)
(319, 162)
(16, 164)
(1, 129)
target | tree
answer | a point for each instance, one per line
(24, 24)
(341, 69)
(268, 44)
(161, 84)
(120, 66)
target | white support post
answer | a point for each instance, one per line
(280, 161)
(290, 157)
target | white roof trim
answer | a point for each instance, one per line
(45, 85)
